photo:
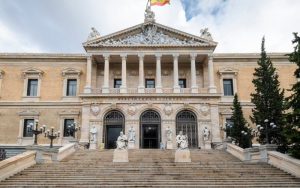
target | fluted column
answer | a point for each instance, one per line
(88, 83)
(123, 88)
(141, 87)
(194, 87)
(211, 86)
(176, 88)
(105, 88)
(158, 84)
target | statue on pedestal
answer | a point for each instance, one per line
(182, 141)
(122, 141)
(93, 132)
(206, 134)
(131, 134)
(169, 134)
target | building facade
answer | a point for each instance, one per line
(150, 77)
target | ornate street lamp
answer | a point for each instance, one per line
(37, 131)
(52, 135)
(272, 125)
(229, 126)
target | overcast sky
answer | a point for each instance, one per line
(61, 26)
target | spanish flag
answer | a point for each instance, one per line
(159, 2)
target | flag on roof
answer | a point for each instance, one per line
(159, 2)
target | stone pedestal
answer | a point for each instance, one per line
(183, 156)
(131, 145)
(120, 156)
(207, 144)
(263, 150)
(93, 146)
(169, 145)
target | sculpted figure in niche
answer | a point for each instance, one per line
(169, 134)
(122, 141)
(131, 134)
(93, 132)
(206, 134)
(182, 141)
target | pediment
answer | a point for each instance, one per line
(228, 70)
(149, 35)
(70, 71)
(32, 71)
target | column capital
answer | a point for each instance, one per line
(175, 55)
(141, 55)
(106, 56)
(123, 56)
(158, 55)
(89, 57)
(210, 57)
(193, 56)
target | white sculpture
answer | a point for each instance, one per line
(182, 141)
(206, 134)
(93, 132)
(169, 134)
(94, 34)
(131, 134)
(149, 15)
(205, 34)
(122, 141)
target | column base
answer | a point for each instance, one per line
(212, 89)
(141, 89)
(176, 89)
(123, 89)
(87, 89)
(105, 90)
(194, 89)
(159, 90)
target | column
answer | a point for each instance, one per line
(194, 87)
(105, 87)
(158, 84)
(215, 124)
(85, 123)
(176, 88)
(211, 86)
(123, 88)
(141, 87)
(88, 83)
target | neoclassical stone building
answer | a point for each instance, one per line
(148, 76)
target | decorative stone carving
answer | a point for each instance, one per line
(205, 34)
(182, 141)
(71, 72)
(32, 71)
(204, 109)
(168, 109)
(29, 113)
(93, 34)
(131, 109)
(113, 105)
(131, 134)
(228, 70)
(95, 109)
(93, 132)
(169, 134)
(122, 141)
(149, 14)
(206, 134)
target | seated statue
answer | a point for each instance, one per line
(122, 141)
(182, 141)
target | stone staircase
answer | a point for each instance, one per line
(152, 168)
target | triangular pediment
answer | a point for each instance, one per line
(149, 35)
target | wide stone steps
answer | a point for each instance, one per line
(152, 168)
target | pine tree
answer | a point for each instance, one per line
(269, 102)
(292, 129)
(240, 133)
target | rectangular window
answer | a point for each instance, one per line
(32, 87)
(71, 87)
(228, 87)
(69, 128)
(182, 83)
(117, 83)
(28, 126)
(150, 83)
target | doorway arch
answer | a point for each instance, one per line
(150, 123)
(186, 121)
(114, 123)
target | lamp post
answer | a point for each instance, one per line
(229, 126)
(37, 131)
(272, 125)
(52, 135)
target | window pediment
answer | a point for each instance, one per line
(228, 70)
(29, 113)
(69, 112)
(32, 71)
(71, 72)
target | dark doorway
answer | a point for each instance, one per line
(113, 131)
(150, 129)
(113, 125)
(186, 121)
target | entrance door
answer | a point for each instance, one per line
(113, 131)
(150, 129)
(150, 136)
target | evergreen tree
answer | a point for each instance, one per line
(292, 129)
(269, 102)
(239, 131)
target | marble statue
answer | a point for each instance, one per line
(206, 134)
(182, 141)
(205, 34)
(149, 15)
(122, 141)
(93, 132)
(131, 134)
(94, 34)
(169, 134)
